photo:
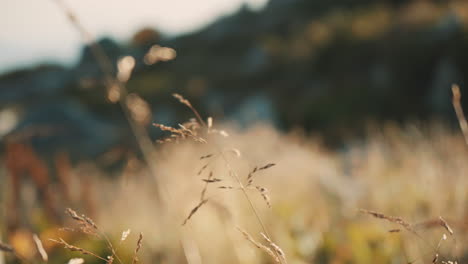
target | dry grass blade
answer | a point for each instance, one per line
(187, 103)
(84, 220)
(459, 111)
(444, 224)
(264, 193)
(408, 227)
(182, 100)
(86, 224)
(6, 248)
(433, 223)
(436, 255)
(191, 133)
(188, 130)
(259, 245)
(167, 128)
(74, 215)
(393, 219)
(138, 247)
(231, 172)
(202, 169)
(194, 210)
(269, 165)
(443, 238)
(77, 249)
(211, 180)
(205, 188)
(278, 250)
(206, 156)
(40, 248)
(250, 176)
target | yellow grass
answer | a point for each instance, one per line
(316, 195)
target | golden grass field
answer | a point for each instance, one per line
(415, 172)
(316, 196)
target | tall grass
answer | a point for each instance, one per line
(417, 175)
(414, 174)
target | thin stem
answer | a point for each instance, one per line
(141, 135)
(251, 204)
(459, 111)
(111, 247)
(234, 175)
(198, 116)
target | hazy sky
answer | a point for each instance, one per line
(35, 31)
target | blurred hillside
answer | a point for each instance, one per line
(327, 66)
